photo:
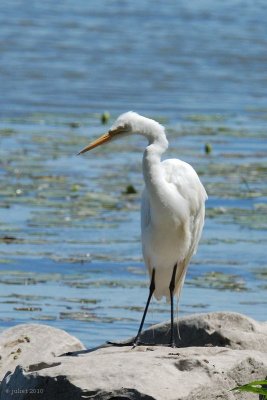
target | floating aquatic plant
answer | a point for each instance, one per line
(105, 117)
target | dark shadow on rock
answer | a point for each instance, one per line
(59, 388)
(186, 336)
(220, 329)
(41, 365)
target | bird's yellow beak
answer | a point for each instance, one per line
(102, 139)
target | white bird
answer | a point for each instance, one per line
(172, 210)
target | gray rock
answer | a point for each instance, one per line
(33, 343)
(198, 372)
(223, 329)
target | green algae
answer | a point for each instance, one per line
(105, 283)
(29, 308)
(205, 117)
(7, 132)
(260, 273)
(86, 316)
(80, 300)
(27, 297)
(219, 281)
(44, 317)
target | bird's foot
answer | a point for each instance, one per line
(134, 344)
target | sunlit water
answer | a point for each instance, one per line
(70, 253)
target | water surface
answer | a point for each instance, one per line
(70, 253)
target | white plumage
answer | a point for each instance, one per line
(173, 204)
(171, 229)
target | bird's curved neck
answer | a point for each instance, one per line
(152, 169)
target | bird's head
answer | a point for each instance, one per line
(127, 124)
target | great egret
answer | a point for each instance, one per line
(172, 211)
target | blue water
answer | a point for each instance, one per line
(83, 57)
(198, 67)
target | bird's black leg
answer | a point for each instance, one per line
(172, 287)
(151, 291)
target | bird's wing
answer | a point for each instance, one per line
(187, 183)
(191, 196)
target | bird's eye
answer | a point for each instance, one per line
(116, 131)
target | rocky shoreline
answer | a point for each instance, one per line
(216, 352)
